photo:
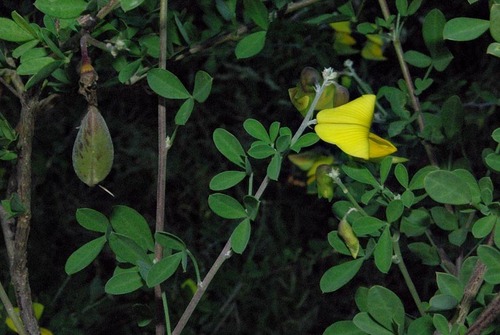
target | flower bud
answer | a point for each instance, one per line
(324, 182)
(350, 239)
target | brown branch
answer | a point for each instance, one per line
(18, 268)
(162, 169)
(490, 313)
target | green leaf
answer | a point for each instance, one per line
(432, 31)
(339, 275)
(257, 12)
(414, 6)
(417, 59)
(283, 143)
(444, 219)
(226, 206)
(385, 168)
(451, 285)
(344, 328)
(364, 322)
(84, 255)
(184, 112)
(394, 210)
(127, 250)
(202, 86)
(441, 324)
(452, 115)
(255, 129)
(421, 326)
(494, 49)
(47, 38)
(166, 84)
(402, 7)
(92, 220)
(401, 175)
(163, 270)
(274, 130)
(34, 65)
(226, 179)
(417, 181)
(368, 225)
(361, 174)
(442, 302)
(385, 307)
(491, 258)
(305, 141)
(274, 167)
(416, 223)
(130, 4)
(493, 161)
(484, 226)
(337, 244)
(20, 50)
(129, 222)
(422, 84)
(250, 45)
(447, 188)
(486, 189)
(464, 28)
(495, 21)
(129, 70)
(10, 31)
(471, 182)
(383, 251)
(241, 236)
(170, 241)
(261, 151)
(123, 283)
(61, 9)
(229, 146)
(427, 253)
(43, 73)
(23, 23)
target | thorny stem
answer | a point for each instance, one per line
(408, 80)
(162, 169)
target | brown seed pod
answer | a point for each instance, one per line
(93, 149)
(309, 77)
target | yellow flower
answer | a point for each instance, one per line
(373, 49)
(348, 127)
(38, 309)
(342, 38)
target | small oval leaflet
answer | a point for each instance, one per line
(93, 149)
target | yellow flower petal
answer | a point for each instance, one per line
(45, 331)
(372, 51)
(348, 126)
(380, 147)
(344, 38)
(342, 26)
(38, 309)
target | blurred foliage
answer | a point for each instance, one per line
(274, 287)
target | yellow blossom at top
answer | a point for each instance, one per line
(348, 127)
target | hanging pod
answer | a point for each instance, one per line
(93, 149)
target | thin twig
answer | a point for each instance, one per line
(162, 169)
(11, 312)
(408, 80)
(486, 317)
(10, 88)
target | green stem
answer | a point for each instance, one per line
(406, 275)
(349, 196)
(10, 310)
(167, 316)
